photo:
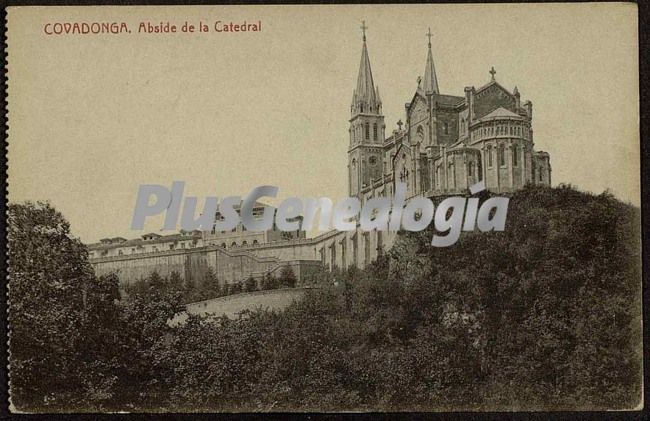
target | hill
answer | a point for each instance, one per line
(546, 314)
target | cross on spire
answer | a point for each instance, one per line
(493, 72)
(363, 29)
(429, 36)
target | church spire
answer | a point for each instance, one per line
(430, 82)
(365, 98)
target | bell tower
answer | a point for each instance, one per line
(365, 157)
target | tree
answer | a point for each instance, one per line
(144, 333)
(175, 282)
(157, 282)
(60, 314)
(287, 277)
(190, 291)
(211, 285)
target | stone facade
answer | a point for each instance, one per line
(447, 144)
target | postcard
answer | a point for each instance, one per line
(324, 208)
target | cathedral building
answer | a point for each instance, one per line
(448, 142)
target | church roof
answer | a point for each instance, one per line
(449, 100)
(500, 113)
(493, 82)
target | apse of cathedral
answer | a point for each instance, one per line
(447, 142)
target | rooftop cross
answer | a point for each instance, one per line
(363, 28)
(493, 72)
(429, 36)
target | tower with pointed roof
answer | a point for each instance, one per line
(366, 133)
(430, 81)
(449, 142)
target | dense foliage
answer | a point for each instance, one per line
(546, 314)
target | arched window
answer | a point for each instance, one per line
(502, 154)
(515, 153)
(244, 243)
(374, 132)
(420, 134)
(223, 245)
(254, 241)
(450, 175)
(233, 244)
(367, 131)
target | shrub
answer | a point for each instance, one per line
(250, 285)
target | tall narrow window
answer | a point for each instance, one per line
(451, 178)
(471, 169)
(445, 128)
(502, 155)
(489, 154)
(374, 132)
(515, 153)
(367, 131)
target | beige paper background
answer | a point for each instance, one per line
(91, 117)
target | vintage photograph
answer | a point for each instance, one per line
(326, 208)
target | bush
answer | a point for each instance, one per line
(270, 282)
(250, 285)
(235, 288)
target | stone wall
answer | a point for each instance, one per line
(304, 256)
(228, 265)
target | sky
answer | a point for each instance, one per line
(92, 117)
